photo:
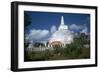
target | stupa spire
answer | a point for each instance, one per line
(62, 20)
(62, 25)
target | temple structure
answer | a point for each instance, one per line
(59, 38)
(62, 36)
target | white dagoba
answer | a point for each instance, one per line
(62, 35)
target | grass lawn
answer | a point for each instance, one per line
(58, 54)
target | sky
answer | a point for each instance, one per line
(44, 24)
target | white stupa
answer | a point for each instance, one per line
(62, 36)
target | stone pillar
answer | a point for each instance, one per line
(64, 44)
(45, 44)
(48, 45)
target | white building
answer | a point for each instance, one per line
(62, 36)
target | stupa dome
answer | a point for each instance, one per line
(62, 35)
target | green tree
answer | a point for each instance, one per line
(27, 20)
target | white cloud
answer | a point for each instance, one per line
(37, 35)
(75, 27)
(81, 28)
(85, 30)
(53, 29)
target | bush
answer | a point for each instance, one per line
(75, 50)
